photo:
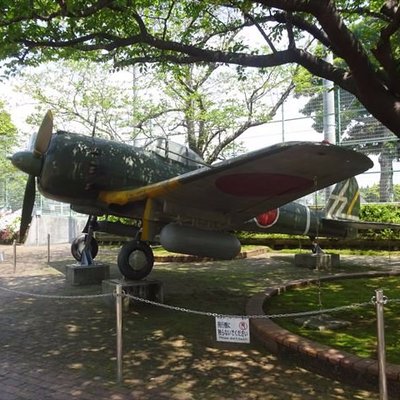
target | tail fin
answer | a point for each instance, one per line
(344, 201)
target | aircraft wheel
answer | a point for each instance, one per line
(135, 260)
(78, 245)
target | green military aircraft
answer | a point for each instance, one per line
(187, 206)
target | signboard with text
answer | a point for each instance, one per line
(232, 329)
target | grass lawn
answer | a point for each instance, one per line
(360, 337)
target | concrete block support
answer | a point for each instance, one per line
(321, 261)
(148, 290)
(87, 274)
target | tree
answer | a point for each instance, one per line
(355, 127)
(365, 135)
(183, 32)
(85, 97)
(207, 105)
(11, 182)
(211, 107)
(8, 139)
(370, 194)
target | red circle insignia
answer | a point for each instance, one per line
(267, 219)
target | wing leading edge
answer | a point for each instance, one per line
(236, 190)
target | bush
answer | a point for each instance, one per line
(9, 228)
(389, 213)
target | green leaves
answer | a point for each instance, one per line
(8, 139)
(380, 213)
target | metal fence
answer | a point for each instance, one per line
(336, 115)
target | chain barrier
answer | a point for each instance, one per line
(265, 316)
(59, 297)
(119, 294)
(198, 312)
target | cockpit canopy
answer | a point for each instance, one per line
(175, 152)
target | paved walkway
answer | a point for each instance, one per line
(65, 349)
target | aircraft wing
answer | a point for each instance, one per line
(233, 191)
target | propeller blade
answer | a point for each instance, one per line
(27, 208)
(44, 135)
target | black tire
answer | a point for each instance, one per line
(135, 260)
(78, 245)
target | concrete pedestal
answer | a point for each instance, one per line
(87, 274)
(149, 290)
(322, 261)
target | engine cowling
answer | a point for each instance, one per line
(188, 240)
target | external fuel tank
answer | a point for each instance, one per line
(188, 240)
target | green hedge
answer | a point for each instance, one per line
(380, 213)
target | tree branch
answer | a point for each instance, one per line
(384, 54)
(250, 123)
(263, 34)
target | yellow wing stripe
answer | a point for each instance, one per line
(122, 197)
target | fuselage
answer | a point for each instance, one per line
(76, 168)
(297, 219)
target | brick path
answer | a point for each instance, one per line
(52, 349)
(29, 365)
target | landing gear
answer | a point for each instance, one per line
(78, 246)
(135, 260)
(85, 247)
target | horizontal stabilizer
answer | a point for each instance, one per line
(336, 223)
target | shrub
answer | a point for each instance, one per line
(9, 228)
(384, 212)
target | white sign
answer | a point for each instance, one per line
(232, 329)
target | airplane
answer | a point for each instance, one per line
(171, 194)
(339, 218)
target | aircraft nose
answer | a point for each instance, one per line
(27, 162)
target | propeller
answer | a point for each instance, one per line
(27, 206)
(44, 135)
(31, 163)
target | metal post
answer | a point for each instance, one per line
(118, 308)
(48, 248)
(380, 301)
(329, 113)
(329, 106)
(15, 255)
(283, 122)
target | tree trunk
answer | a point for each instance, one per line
(386, 179)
